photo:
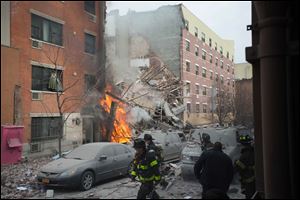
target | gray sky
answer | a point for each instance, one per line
(227, 18)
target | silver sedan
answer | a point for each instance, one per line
(87, 165)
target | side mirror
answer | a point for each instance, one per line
(103, 157)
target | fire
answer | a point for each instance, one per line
(122, 131)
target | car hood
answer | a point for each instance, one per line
(61, 165)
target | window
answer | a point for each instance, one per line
(187, 24)
(188, 88)
(217, 62)
(203, 37)
(197, 51)
(222, 79)
(232, 83)
(46, 79)
(187, 45)
(204, 108)
(44, 128)
(221, 50)
(217, 77)
(203, 72)
(196, 69)
(197, 108)
(227, 55)
(203, 55)
(216, 46)
(90, 82)
(204, 91)
(221, 64)
(228, 82)
(211, 76)
(232, 70)
(188, 107)
(209, 42)
(90, 43)
(232, 59)
(188, 66)
(46, 30)
(228, 68)
(197, 89)
(210, 58)
(108, 151)
(89, 6)
(196, 31)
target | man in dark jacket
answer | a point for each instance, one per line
(214, 170)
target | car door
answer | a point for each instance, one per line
(178, 145)
(105, 167)
(123, 159)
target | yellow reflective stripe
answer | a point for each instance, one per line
(153, 163)
(133, 173)
(240, 164)
(144, 167)
(157, 178)
(146, 179)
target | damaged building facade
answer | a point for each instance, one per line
(41, 38)
(171, 37)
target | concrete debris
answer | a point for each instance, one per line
(18, 181)
(49, 194)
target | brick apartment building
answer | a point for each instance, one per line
(189, 48)
(36, 38)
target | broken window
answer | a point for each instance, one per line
(216, 46)
(197, 108)
(197, 51)
(186, 24)
(197, 89)
(222, 79)
(196, 31)
(46, 30)
(210, 42)
(228, 82)
(196, 69)
(211, 76)
(203, 55)
(46, 79)
(187, 45)
(89, 6)
(227, 55)
(90, 82)
(217, 62)
(221, 51)
(204, 108)
(204, 91)
(228, 68)
(44, 128)
(221, 62)
(203, 37)
(90, 43)
(188, 89)
(210, 58)
(203, 72)
(188, 66)
(188, 107)
(217, 77)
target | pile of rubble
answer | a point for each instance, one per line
(18, 181)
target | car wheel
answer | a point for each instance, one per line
(87, 181)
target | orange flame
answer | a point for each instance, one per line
(122, 131)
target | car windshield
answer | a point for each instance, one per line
(84, 152)
(156, 135)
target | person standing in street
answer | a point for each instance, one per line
(214, 170)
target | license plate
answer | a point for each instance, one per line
(45, 180)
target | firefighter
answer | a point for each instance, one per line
(145, 167)
(207, 144)
(245, 166)
(151, 146)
